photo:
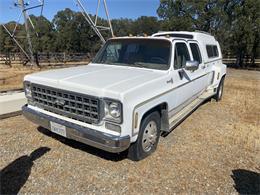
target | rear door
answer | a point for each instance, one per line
(214, 58)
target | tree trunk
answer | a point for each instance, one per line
(240, 59)
(254, 50)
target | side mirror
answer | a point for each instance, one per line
(192, 65)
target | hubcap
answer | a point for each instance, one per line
(149, 136)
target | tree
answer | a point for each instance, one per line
(246, 29)
(42, 35)
(6, 40)
(176, 15)
(235, 23)
(3, 36)
(122, 26)
(89, 41)
(66, 37)
(145, 24)
(73, 33)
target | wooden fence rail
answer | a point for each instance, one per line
(45, 58)
(53, 58)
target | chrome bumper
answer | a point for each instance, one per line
(76, 132)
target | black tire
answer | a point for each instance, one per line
(137, 151)
(220, 89)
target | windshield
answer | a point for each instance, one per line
(144, 53)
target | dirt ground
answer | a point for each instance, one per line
(215, 150)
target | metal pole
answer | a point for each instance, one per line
(93, 23)
(21, 2)
(89, 20)
(108, 19)
(97, 12)
(17, 43)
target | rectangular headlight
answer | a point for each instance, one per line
(113, 110)
(27, 89)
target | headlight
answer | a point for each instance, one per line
(27, 89)
(113, 111)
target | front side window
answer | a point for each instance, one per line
(181, 55)
(195, 52)
(145, 53)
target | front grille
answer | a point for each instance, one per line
(66, 103)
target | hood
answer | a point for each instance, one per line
(96, 79)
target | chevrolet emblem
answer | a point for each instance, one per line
(59, 102)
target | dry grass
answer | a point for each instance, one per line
(12, 77)
(215, 150)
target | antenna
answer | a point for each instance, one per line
(24, 9)
(97, 29)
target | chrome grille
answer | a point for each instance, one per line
(66, 103)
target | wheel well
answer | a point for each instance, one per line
(222, 79)
(162, 109)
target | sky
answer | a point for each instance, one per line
(117, 8)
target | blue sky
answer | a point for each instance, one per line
(117, 8)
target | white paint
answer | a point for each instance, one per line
(138, 89)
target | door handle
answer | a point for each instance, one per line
(169, 81)
(203, 67)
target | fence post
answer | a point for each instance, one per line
(8, 59)
(64, 57)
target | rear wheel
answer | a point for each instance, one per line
(148, 137)
(220, 89)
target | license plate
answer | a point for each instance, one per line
(59, 129)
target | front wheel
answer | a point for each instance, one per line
(220, 89)
(148, 138)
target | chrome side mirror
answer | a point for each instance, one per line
(192, 65)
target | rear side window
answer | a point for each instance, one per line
(215, 51)
(212, 51)
(195, 52)
(181, 55)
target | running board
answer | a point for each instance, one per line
(181, 115)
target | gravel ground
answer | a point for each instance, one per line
(215, 150)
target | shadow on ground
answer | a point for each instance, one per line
(246, 182)
(15, 175)
(86, 148)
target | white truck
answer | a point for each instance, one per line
(135, 89)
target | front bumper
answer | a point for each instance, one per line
(79, 133)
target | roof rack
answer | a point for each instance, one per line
(173, 34)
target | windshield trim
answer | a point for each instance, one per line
(137, 38)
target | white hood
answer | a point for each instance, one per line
(96, 79)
